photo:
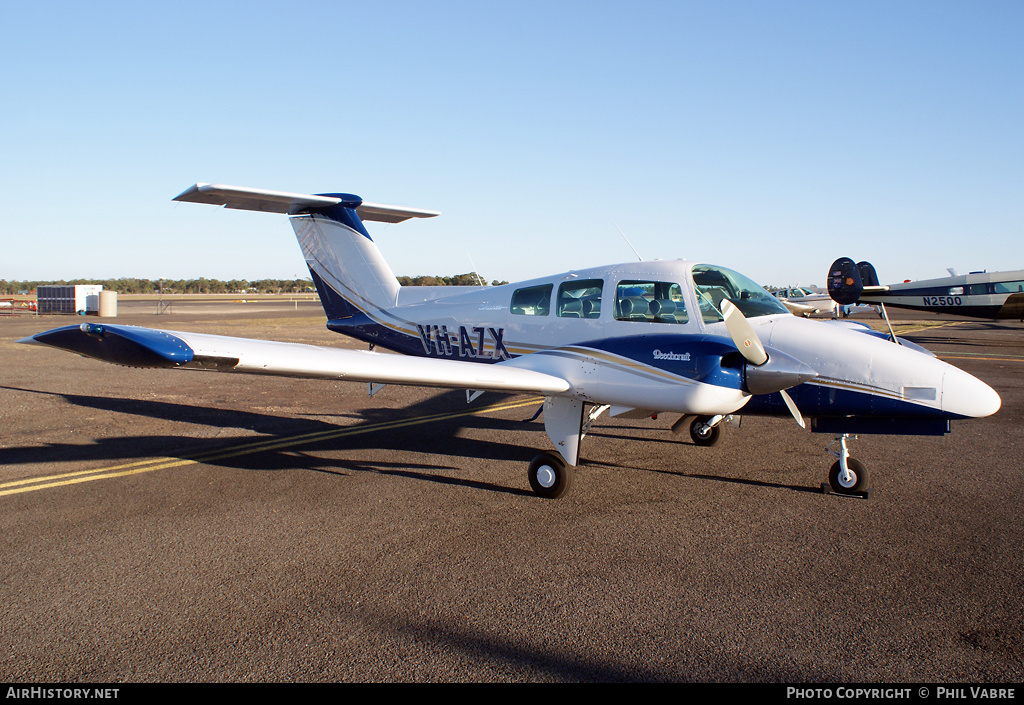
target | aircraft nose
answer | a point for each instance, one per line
(966, 395)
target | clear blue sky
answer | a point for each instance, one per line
(767, 136)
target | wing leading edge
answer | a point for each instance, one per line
(134, 346)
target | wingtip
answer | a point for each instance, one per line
(191, 189)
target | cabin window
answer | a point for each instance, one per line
(1008, 287)
(650, 301)
(713, 284)
(580, 298)
(532, 301)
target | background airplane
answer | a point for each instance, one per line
(807, 301)
(804, 301)
(991, 295)
(646, 337)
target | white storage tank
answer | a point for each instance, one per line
(108, 304)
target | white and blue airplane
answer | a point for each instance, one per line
(647, 337)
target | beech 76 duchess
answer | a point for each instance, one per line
(648, 337)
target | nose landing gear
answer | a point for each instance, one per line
(847, 476)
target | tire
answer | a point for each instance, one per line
(549, 476)
(859, 485)
(709, 437)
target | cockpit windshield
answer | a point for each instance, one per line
(712, 284)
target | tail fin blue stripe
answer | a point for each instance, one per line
(344, 212)
(335, 305)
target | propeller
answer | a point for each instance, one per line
(743, 334)
(765, 374)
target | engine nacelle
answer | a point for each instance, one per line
(780, 372)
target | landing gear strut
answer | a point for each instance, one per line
(847, 476)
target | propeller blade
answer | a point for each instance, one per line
(761, 378)
(791, 405)
(743, 335)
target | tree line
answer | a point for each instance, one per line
(128, 285)
(470, 279)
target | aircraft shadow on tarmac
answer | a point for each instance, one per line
(695, 476)
(295, 452)
(542, 659)
(438, 438)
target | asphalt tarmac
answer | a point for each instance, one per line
(170, 526)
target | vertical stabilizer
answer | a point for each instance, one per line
(349, 271)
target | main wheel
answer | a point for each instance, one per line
(702, 437)
(549, 475)
(856, 483)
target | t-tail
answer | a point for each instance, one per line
(350, 274)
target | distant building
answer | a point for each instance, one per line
(84, 298)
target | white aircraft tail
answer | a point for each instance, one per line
(348, 270)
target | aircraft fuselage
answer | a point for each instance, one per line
(605, 331)
(992, 295)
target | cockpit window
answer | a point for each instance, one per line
(532, 301)
(713, 284)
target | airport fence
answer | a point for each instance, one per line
(18, 307)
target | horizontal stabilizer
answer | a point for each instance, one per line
(255, 199)
(266, 201)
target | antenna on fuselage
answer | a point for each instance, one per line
(628, 242)
(479, 280)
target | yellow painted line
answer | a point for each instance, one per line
(901, 328)
(980, 357)
(144, 466)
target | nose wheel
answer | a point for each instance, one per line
(853, 480)
(847, 476)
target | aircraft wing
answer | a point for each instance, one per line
(133, 346)
(799, 309)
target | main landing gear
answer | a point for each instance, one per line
(847, 476)
(705, 430)
(566, 421)
(550, 476)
